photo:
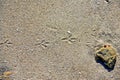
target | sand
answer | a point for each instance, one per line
(56, 39)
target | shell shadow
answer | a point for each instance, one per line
(105, 66)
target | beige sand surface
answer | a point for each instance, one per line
(55, 39)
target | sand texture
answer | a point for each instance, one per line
(56, 39)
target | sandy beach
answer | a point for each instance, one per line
(56, 39)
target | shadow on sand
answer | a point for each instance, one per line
(105, 66)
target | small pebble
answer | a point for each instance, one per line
(111, 76)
